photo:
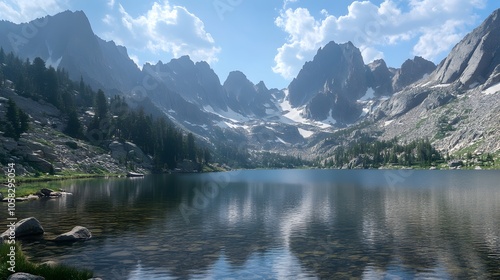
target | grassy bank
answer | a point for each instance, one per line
(56, 272)
(30, 185)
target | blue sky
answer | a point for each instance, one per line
(269, 40)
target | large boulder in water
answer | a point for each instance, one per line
(78, 233)
(26, 228)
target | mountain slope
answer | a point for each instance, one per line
(66, 40)
(334, 95)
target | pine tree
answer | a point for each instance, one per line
(101, 104)
(17, 122)
(191, 148)
(74, 126)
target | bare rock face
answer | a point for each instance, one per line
(78, 233)
(411, 71)
(473, 60)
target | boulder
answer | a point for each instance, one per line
(46, 192)
(26, 228)
(24, 276)
(39, 163)
(78, 233)
(455, 163)
(118, 151)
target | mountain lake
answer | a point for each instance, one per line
(277, 224)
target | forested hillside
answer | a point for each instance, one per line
(90, 116)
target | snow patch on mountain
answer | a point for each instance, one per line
(305, 133)
(492, 89)
(370, 94)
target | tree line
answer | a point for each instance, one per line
(112, 118)
(371, 153)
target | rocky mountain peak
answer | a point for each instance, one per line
(337, 72)
(411, 71)
(261, 87)
(236, 77)
(474, 58)
(380, 78)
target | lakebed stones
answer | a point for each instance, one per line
(28, 227)
(24, 276)
(78, 233)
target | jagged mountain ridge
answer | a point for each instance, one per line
(334, 90)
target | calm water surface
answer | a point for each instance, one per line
(281, 224)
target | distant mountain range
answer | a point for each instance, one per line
(334, 91)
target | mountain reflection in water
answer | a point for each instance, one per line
(278, 224)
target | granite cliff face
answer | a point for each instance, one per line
(475, 58)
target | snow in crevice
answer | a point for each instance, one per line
(50, 60)
(282, 141)
(441, 86)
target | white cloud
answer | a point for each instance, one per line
(109, 20)
(111, 4)
(170, 29)
(26, 10)
(435, 24)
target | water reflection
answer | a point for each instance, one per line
(280, 224)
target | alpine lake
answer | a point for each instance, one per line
(277, 224)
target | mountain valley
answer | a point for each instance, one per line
(335, 101)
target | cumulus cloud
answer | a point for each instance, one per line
(26, 10)
(170, 29)
(436, 25)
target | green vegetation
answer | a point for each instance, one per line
(31, 185)
(274, 160)
(370, 153)
(444, 126)
(57, 272)
(16, 121)
(473, 159)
